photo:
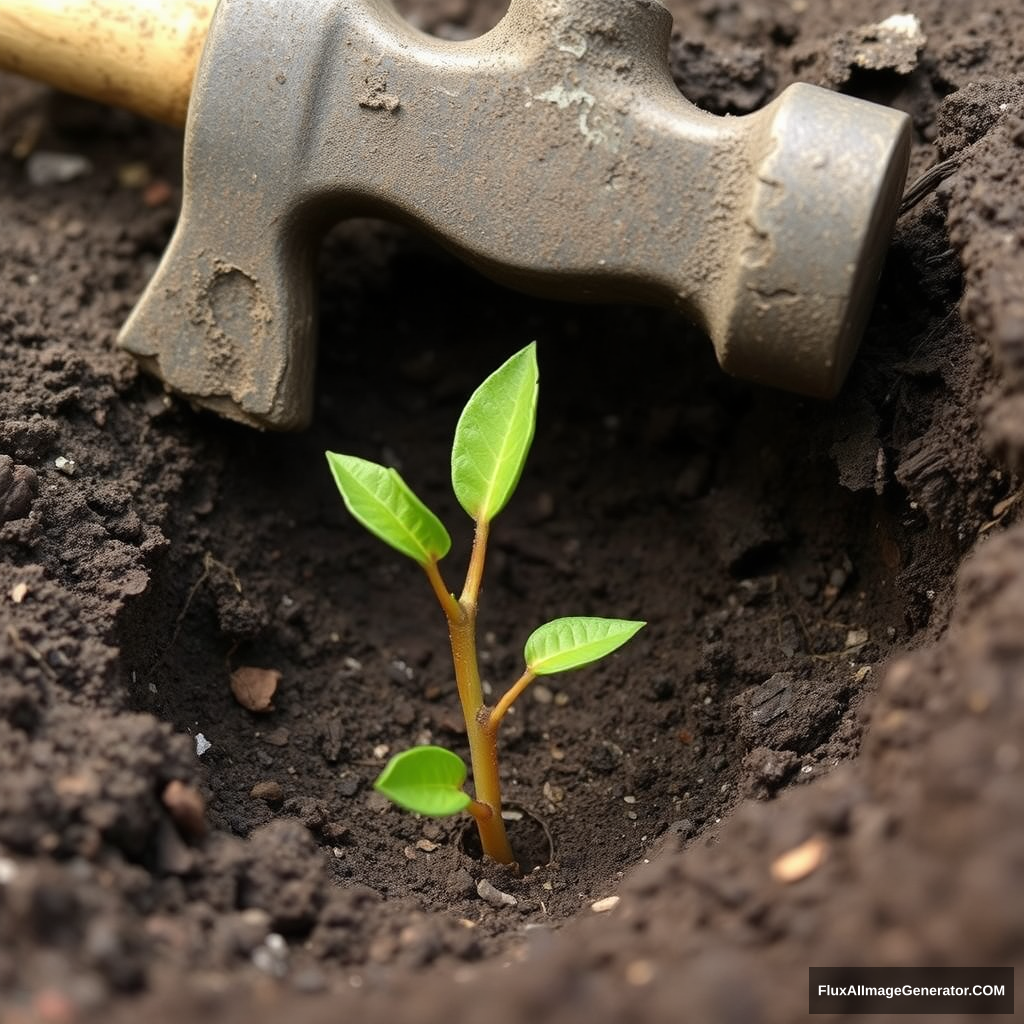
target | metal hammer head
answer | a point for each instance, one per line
(554, 153)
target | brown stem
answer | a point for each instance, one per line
(511, 696)
(483, 749)
(475, 574)
(451, 607)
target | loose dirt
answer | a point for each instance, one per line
(835, 595)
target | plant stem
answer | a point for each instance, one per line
(475, 575)
(483, 748)
(451, 607)
(510, 697)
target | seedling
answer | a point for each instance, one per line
(492, 439)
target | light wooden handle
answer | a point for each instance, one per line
(137, 54)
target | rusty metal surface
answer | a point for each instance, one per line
(554, 153)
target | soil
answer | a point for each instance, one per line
(835, 597)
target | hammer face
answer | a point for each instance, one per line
(554, 153)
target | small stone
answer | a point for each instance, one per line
(278, 738)
(272, 956)
(18, 489)
(19, 592)
(254, 688)
(134, 175)
(186, 807)
(381, 751)
(639, 973)
(269, 792)
(426, 845)
(603, 906)
(46, 168)
(495, 897)
(555, 794)
(542, 694)
(799, 862)
(561, 700)
(157, 193)
(65, 465)
(202, 744)
(856, 638)
(629, 799)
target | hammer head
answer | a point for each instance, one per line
(554, 153)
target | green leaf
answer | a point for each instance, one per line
(493, 436)
(570, 643)
(382, 501)
(427, 780)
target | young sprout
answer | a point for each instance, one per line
(492, 439)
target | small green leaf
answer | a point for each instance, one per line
(427, 780)
(382, 501)
(493, 436)
(570, 643)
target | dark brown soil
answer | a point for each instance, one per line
(835, 593)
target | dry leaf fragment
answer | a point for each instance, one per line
(254, 688)
(800, 862)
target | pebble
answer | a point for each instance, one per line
(640, 973)
(272, 956)
(44, 167)
(856, 638)
(269, 791)
(19, 592)
(542, 694)
(254, 688)
(554, 793)
(278, 738)
(134, 175)
(65, 465)
(202, 744)
(799, 862)
(603, 906)
(495, 897)
(186, 806)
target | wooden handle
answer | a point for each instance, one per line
(137, 54)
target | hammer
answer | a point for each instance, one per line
(554, 153)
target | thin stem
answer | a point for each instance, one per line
(475, 573)
(481, 812)
(452, 609)
(511, 696)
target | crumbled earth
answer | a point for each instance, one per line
(835, 598)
